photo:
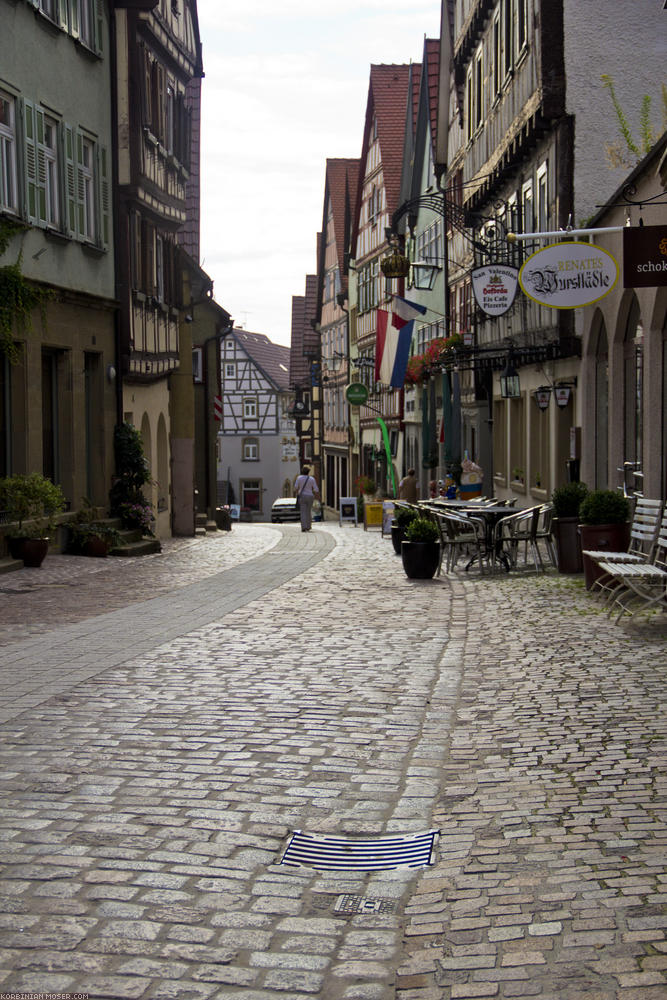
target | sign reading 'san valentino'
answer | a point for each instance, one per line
(494, 287)
(568, 275)
(644, 256)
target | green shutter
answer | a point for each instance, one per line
(70, 181)
(74, 26)
(30, 161)
(105, 200)
(60, 14)
(41, 165)
(97, 15)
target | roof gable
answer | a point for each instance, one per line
(273, 360)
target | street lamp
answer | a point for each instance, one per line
(424, 275)
(510, 387)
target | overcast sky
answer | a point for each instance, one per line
(285, 87)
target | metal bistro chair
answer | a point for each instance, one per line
(544, 532)
(516, 529)
(466, 534)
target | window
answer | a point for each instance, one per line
(197, 364)
(47, 7)
(86, 187)
(250, 450)
(169, 135)
(633, 388)
(527, 207)
(8, 192)
(159, 268)
(497, 73)
(542, 208)
(230, 371)
(521, 25)
(51, 172)
(368, 286)
(508, 47)
(251, 494)
(479, 89)
(249, 408)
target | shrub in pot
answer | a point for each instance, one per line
(604, 518)
(402, 518)
(567, 500)
(420, 550)
(31, 503)
(90, 536)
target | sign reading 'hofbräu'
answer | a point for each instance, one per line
(568, 275)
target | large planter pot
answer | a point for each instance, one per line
(397, 536)
(568, 544)
(97, 547)
(31, 550)
(420, 559)
(601, 538)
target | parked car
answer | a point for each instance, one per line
(284, 509)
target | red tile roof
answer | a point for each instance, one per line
(342, 178)
(304, 339)
(272, 359)
(388, 101)
(432, 69)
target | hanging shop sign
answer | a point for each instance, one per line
(356, 394)
(568, 275)
(494, 287)
(644, 256)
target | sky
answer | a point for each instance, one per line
(285, 87)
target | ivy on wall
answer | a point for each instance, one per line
(18, 297)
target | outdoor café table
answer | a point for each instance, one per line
(492, 514)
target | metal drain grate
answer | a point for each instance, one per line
(335, 853)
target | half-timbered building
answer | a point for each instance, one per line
(332, 317)
(258, 458)
(530, 126)
(158, 53)
(377, 198)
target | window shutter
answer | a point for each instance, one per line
(74, 25)
(70, 181)
(148, 246)
(161, 104)
(80, 188)
(60, 14)
(105, 196)
(30, 161)
(97, 21)
(41, 165)
(35, 166)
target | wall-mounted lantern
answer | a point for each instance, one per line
(542, 396)
(510, 386)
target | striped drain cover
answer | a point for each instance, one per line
(334, 853)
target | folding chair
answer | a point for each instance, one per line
(644, 584)
(641, 550)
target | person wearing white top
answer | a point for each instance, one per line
(306, 490)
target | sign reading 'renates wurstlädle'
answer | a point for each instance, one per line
(568, 275)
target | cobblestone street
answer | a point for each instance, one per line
(168, 721)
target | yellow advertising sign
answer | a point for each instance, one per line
(568, 275)
(372, 515)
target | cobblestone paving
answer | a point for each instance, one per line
(147, 802)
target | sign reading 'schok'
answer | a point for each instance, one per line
(494, 287)
(568, 275)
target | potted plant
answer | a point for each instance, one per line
(604, 518)
(403, 517)
(566, 502)
(90, 536)
(420, 550)
(31, 503)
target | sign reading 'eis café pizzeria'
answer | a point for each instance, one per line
(568, 275)
(494, 287)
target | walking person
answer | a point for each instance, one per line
(306, 490)
(407, 488)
